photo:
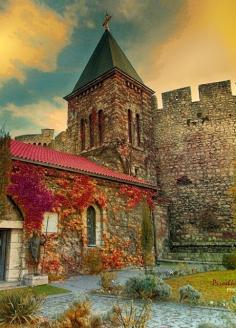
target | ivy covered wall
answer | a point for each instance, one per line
(37, 189)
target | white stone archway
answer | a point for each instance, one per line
(11, 226)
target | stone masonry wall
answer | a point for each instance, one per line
(118, 231)
(42, 139)
(115, 95)
(118, 227)
(60, 142)
(196, 155)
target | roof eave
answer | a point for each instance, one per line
(99, 176)
(104, 76)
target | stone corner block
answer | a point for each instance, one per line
(31, 280)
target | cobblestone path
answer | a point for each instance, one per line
(164, 315)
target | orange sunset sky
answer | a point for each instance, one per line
(45, 44)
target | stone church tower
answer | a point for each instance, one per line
(110, 113)
(187, 149)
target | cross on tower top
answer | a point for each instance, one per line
(106, 21)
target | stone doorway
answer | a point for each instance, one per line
(3, 250)
(12, 250)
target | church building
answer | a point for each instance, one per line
(86, 196)
(121, 158)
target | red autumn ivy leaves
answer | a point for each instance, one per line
(37, 190)
(27, 189)
(70, 193)
(135, 195)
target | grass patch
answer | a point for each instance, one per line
(47, 290)
(204, 282)
(43, 290)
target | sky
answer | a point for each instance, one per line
(45, 44)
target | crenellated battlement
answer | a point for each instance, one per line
(213, 92)
(175, 97)
(215, 89)
(196, 142)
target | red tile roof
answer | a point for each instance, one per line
(50, 157)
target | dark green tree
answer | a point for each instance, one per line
(5, 169)
(147, 237)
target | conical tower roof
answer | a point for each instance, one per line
(106, 56)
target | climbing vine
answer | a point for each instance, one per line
(36, 190)
(27, 189)
(136, 195)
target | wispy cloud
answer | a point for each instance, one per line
(200, 48)
(130, 11)
(44, 114)
(32, 36)
(126, 9)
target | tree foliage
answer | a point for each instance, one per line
(147, 238)
(5, 169)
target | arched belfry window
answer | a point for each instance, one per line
(100, 126)
(82, 133)
(91, 130)
(91, 226)
(130, 125)
(138, 129)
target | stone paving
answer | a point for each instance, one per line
(164, 315)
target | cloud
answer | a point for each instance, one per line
(200, 50)
(44, 114)
(128, 9)
(124, 10)
(32, 36)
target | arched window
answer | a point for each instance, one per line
(138, 129)
(91, 226)
(130, 125)
(82, 133)
(100, 126)
(91, 130)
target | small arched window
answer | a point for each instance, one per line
(91, 130)
(100, 126)
(138, 129)
(130, 125)
(82, 133)
(91, 226)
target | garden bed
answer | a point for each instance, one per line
(212, 285)
(43, 290)
(216, 289)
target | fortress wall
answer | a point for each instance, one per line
(43, 139)
(196, 158)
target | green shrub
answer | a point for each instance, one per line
(147, 287)
(19, 307)
(187, 292)
(163, 290)
(229, 261)
(141, 287)
(207, 325)
(183, 269)
(107, 281)
(234, 299)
